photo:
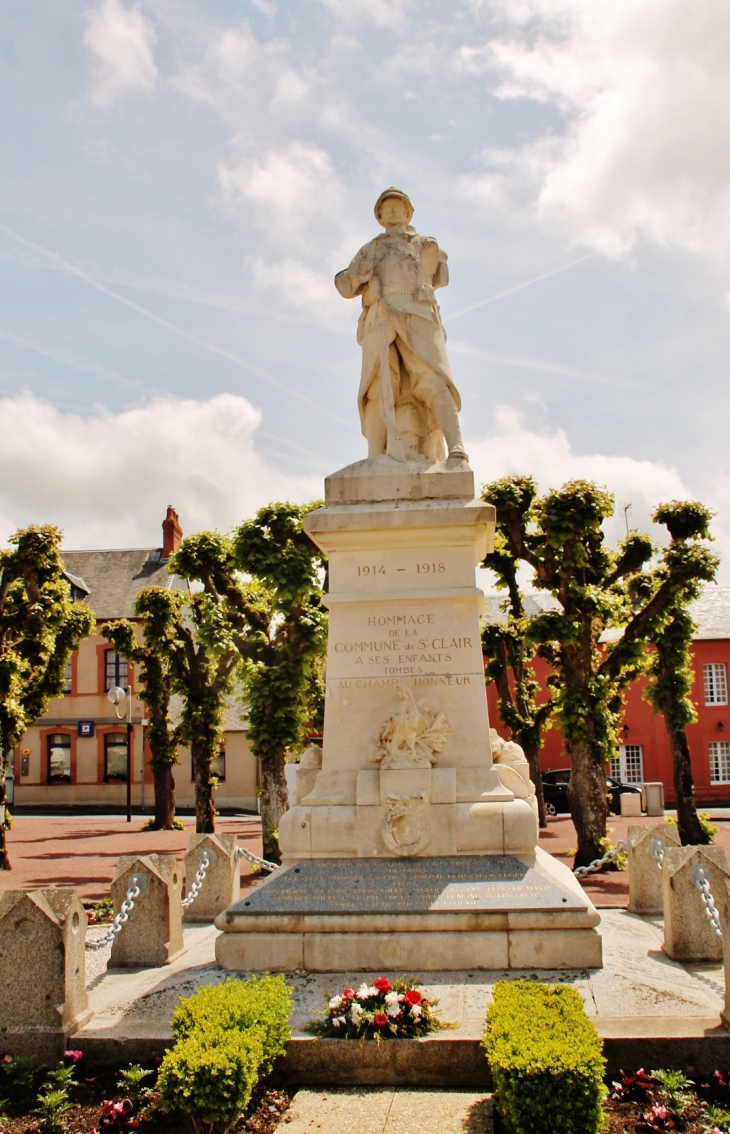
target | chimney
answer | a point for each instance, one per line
(171, 533)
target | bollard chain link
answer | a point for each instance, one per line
(620, 848)
(698, 877)
(198, 881)
(241, 852)
(136, 889)
(657, 848)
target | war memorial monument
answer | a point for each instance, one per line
(411, 842)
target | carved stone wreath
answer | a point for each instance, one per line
(406, 829)
(414, 738)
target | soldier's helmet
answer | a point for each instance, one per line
(392, 192)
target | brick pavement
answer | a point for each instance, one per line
(83, 851)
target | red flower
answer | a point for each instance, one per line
(380, 1019)
(382, 984)
(413, 996)
(348, 994)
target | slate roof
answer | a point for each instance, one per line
(112, 579)
(711, 612)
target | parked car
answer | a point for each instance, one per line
(555, 791)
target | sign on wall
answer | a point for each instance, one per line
(86, 728)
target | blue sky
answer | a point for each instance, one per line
(181, 180)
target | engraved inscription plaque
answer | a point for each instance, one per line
(372, 885)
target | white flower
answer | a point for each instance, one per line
(363, 992)
(392, 1010)
(337, 1021)
(355, 1013)
(372, 991)
(415, 1011)
(335, 1001)
(392, 998)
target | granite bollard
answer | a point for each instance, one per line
(221, 886)
(153, 933)
(688, 932)
(43, 998)
(645, 876)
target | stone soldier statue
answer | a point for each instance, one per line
(412, 412)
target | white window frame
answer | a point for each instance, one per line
(714, 676)
(621, 768)
(719, 754)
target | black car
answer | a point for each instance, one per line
(555, 791)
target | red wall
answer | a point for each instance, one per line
(642, 726)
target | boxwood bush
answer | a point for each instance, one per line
(546, 1059)
(227, 1037)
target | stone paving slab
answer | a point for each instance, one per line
(390, 1112)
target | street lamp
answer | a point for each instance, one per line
(116, 695)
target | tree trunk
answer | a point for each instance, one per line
(204, 806)
(587, 799)
(532, 754)
(164, 798)
(4, 854)
(690, 831)
(274, 799)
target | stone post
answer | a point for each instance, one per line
(222, 884)
(645, 876)
(43, 997)
(153, 934)
(688, 932)
(724, 907)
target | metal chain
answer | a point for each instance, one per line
(657, 848)
(198, 881)
(241, 852)
(620, 848)
(134, 891)
(698, 877)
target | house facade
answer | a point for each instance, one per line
(75, 756)
(644, 755)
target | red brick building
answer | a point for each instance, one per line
(644, 754)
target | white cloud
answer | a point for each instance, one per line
(644, 88)
(120, 42)
(514, 449)
(106, 478)
(289, 187)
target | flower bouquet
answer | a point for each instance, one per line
(379, 1011)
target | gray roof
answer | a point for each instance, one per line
(711, 612)
(114, 578)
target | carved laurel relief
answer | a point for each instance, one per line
(414, 738)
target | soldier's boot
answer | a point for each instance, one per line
(447, 419)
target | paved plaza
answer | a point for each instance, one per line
(82, 851)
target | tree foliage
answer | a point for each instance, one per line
(40, 627)
(560, 536)
(509, 650)
(686, 565)
(263, 590)
(152, 657)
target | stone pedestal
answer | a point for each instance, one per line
(645, 876)
(43, 998)
(688, 933)
(406, 769)
(222, 882)
(153, 934)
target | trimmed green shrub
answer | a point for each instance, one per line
(264, 1004)
(546, 1059)
(210, 1076)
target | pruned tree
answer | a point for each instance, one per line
(689, 562)
(509, 651)
(152, 657)
(40, 627)
(265, 584)
(560, 536)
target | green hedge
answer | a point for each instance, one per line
(227, 1037)
(262, 1003)
(546, 1059)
